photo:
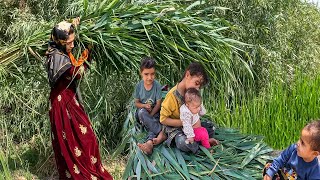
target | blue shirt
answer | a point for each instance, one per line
(148, 96)
(290, 160)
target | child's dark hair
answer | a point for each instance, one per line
(192, 94)
(147, 63)
(197, 69)
(314, 128)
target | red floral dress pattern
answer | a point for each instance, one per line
(74, 142)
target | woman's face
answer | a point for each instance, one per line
(69, 43)
(193, 81)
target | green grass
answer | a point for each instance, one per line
(4, 168)
(279, 113)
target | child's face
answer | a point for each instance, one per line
(304, 149)
(193, 81)
(194, 106)
(148, 75)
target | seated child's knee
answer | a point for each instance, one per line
(180, 140)
(142, 112)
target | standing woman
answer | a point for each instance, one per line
(73, 140)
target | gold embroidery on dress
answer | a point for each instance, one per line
(75, 169)
(68, 175)
(64, 135)
(83, 129)
(93, 177)
(93, 160)
(50, 107)
(77, 151)
(59, 98)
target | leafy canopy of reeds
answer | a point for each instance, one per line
(174, 34)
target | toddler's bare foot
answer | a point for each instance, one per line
(213, 142)
(146, 147)
(159, 139)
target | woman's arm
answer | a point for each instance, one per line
(76, 72)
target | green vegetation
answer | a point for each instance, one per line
(262, 57)
(279, 113)
(238, 156)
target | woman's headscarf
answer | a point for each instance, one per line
(59, 36)
(60, 33)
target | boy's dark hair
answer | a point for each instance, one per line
(314, 128)
(147, 63)
(197, 69)
(192, 94)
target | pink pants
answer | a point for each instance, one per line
(201, 135)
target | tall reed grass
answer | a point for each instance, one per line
(278, 113)
(4, 168)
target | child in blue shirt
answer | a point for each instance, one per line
(148, 97)
(300, 160)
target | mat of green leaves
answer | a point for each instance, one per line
(238, 156)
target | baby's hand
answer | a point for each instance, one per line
(190, 140)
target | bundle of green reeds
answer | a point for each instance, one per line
(237, 157)
(174, 33)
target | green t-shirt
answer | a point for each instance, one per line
(148, 97)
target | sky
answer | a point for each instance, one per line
(315, 1)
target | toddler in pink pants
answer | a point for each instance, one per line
(190, 113)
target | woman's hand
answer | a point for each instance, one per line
(76, 21)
